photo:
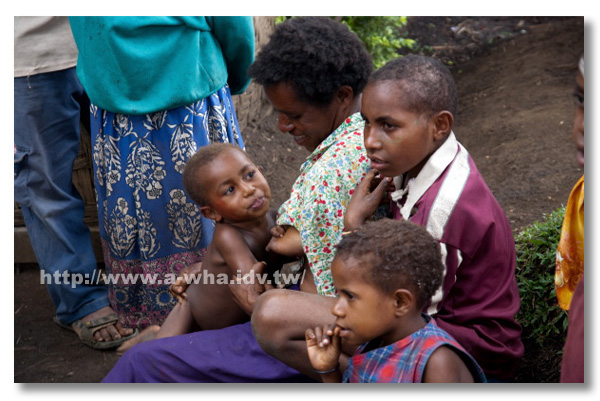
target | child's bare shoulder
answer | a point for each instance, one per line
(224, 234)
(446, 366)
(225, 241)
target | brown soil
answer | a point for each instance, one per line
(515, 78)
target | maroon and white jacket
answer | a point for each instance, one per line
(479, 299)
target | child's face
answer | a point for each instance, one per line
(397, 140)
(237, 191)
(578, 136)
(363, 311)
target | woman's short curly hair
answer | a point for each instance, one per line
(316, 55)
(396, 254)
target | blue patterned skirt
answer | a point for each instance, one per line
(150, 228)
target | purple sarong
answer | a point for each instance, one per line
(229, 355)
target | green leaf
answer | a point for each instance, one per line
(544, 322)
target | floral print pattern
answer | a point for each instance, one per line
(146, 217)
(321, 193)
(183, 220)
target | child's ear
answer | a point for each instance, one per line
(404, 301)
(210, 213)
(443, 121)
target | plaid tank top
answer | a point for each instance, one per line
(404, 361)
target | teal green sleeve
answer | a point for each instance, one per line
(236, 37)
(139, 65)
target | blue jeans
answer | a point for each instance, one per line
(47, 117)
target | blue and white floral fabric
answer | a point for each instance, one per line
(150, 228)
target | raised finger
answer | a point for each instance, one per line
(382, 187)
(318, 335)
(365, 184)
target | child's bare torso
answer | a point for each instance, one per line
(210, 298)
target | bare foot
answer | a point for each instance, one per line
(110, 333)
(149, 333)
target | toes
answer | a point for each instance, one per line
(113, 333)
(102, 335)
(109, 333)
(124, 331)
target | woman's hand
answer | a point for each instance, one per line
(247, 288)
(367, 196)
(177, 289)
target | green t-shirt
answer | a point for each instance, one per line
(139, 65)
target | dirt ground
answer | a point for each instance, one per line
(515, 77)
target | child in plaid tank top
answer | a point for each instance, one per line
(385, 272)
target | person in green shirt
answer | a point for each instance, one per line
(160, 88)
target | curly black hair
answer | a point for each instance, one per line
(396, 254)
(194, 182)
(316, 56)
(428, 83)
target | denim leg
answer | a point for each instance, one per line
(47, 115)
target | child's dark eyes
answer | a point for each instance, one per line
(578, 99)
(384, 125)
(229, 190)
(250, 174)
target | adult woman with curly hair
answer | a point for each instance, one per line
(313, 71)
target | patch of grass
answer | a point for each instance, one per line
(544, 322)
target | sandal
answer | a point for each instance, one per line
(87, 330)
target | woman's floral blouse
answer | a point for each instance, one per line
(321, 194)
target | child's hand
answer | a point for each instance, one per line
(323, 346)
(278, 231)
(365, 200)
(377, 180)
(285, 241)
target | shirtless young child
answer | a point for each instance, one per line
(232, 191)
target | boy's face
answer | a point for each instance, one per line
(237, 191)
(397, 140)
(309, 125)
(363, 311)
(578, 137)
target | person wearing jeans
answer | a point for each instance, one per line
(48, 103)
